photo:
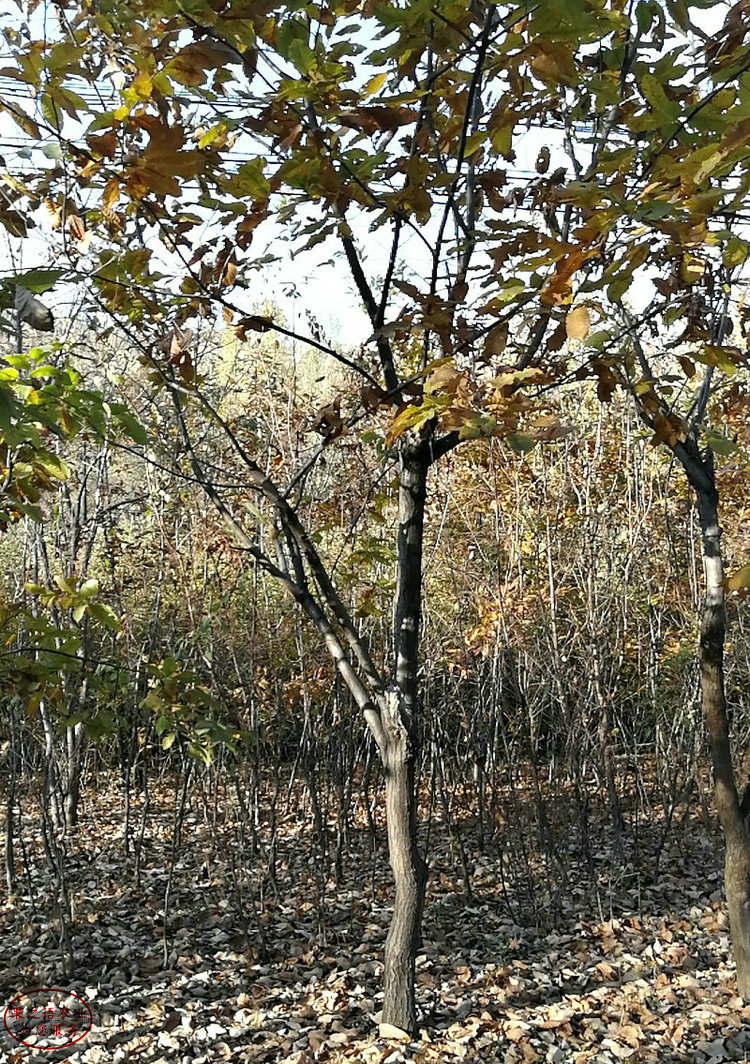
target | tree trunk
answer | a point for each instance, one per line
(732, 814)
(399, 710)
(10, 799)
(74, 738)
(391, 710)
(409, 872)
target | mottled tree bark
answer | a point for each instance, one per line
(409, 871)
(400, 718)
(730, 809)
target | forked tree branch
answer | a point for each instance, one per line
(367, 699)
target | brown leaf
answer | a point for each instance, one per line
(254, 322)
(316, 1040)
(492, 179)
(558, 337)
(163, 161)
(76, 226)
(668, 429)
(372, 397)
(607, 380)
(105, 145)
(496, 340)
(557, 291)
(54, 213)
(378, 119)
(553, 62)
(328, 421)
(620, 1051)
(190, 64)
(515, 1032)
(295, 132)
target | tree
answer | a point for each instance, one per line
(323, 122)
(681, 431)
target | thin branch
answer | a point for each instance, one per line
(300, 593)
(385, 291)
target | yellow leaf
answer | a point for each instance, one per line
(445, 379)
(142, 85)
(110, 192)
(374, 84)
(692, 268)
(578, 323)
(738, 580)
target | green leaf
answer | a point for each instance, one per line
(8, 409)
(735, 252)
(519, 443)
(45, 370)
(644, 16)
(169, 666)
(50, 111)
(250, 180)
(53, 465)
(37, 281)
(288, 33)
(720, 357)
(153, 701)
(720, 444)
(619, 286)
(302, 56)
(129, 424)
(666, 110)
(168, 740)
(104, 615)
(100, 726)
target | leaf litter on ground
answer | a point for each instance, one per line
(629, 970)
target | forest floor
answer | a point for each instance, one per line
(592, 965)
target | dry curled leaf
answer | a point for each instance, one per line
(328, 421)
(76, 227)
(542, 160)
